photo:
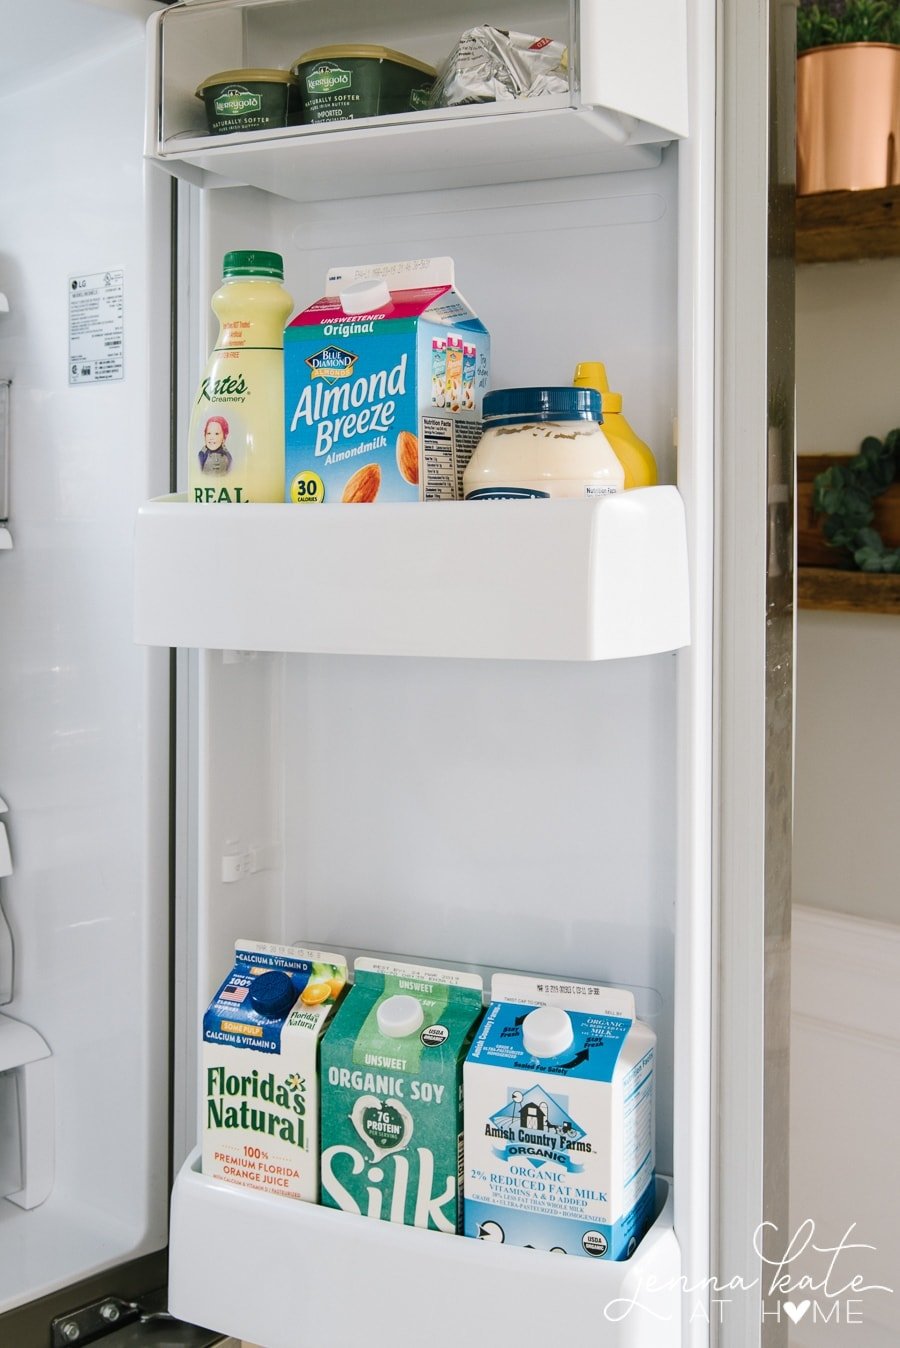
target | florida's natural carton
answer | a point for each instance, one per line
(260, 1042)
(392, 1094)
(559, 1136)
(383, 381)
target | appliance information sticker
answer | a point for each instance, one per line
(97, 327)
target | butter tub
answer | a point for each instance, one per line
(343, 83)
(249, 100)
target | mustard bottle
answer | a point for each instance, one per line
(635, 457)
(236, 439)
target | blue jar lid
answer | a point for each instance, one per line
(272, 994)
(507, 406)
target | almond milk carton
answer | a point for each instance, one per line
(260, 1041)
(392, 1094)
(559, 1134)
(375, 408)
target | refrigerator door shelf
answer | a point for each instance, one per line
(617, 113)
(260, 1268)
(543, 580)
(430, 151)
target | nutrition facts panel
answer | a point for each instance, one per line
(97, 327)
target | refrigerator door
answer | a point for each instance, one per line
(84, 1040)
(360, 784)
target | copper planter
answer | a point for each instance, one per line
(848, 117)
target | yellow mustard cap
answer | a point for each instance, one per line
(592, 374)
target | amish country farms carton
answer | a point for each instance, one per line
(392, 1094)
(383, 381)
(260, 1040)
(559, 1135)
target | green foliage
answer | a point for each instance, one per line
(844, 495)
(822, 25)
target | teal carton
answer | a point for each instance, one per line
(391, 1076)
(383, 382)
(260, 1041)
(559, 1135)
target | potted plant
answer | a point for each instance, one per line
(848, 95)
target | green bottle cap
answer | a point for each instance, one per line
(253, 264)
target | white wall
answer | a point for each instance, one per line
(847, 797)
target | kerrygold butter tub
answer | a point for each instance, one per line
(343, 83)
(249, 100)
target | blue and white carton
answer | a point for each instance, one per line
(559, 1119)
(383, 382)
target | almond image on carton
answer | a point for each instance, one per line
(260, 1041)
(391, 1073)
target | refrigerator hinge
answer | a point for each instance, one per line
(91, 1322)
(117, 1323)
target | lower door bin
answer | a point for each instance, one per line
(282, 1273)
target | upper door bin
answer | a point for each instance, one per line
(623, 95)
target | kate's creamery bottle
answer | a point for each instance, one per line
(636, 457)
(236, 446)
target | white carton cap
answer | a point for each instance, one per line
(364, 296)
(399, 1016)
(547, 1032)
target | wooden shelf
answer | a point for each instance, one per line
(822, 582)
(822, 587)
(842, 226)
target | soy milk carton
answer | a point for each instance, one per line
(260, 1041)
(392, 1094)
(374, 405)
(559, 1135)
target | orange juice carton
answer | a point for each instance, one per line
(260, 1043)
(376, 403)
(559, 1131)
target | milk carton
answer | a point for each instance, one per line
(260, 1039)
(392, 1094)
(373, 386)
(559, 1129)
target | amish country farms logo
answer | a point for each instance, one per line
(535, 1126)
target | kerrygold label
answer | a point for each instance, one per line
(235, 101)
(326, 78)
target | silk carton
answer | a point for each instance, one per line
(559, 1135)
(260, 1042)
(383, 381)
(392, 1094)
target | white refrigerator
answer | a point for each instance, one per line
(554, 738)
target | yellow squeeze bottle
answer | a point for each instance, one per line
(635, 457)
(236, 439)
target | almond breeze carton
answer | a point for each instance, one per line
(559, 1136)
(392, 1094)
(260, 1040)
(383, 381)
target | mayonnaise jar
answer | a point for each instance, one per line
(542, 443)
